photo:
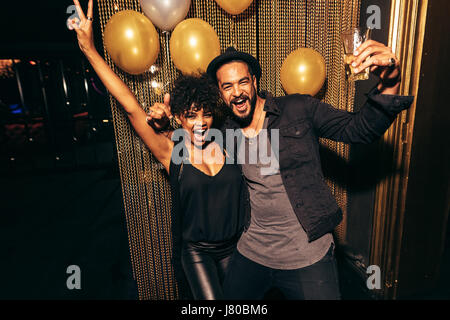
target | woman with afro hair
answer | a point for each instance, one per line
(209, 213)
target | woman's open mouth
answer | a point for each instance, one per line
(200, 134)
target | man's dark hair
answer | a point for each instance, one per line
(198, 92)
(231, 54)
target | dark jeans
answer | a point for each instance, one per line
(248, 280)
(205, 266)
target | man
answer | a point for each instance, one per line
(288, 243)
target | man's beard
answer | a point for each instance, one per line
(246, 120)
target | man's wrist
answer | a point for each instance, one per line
(390, 86)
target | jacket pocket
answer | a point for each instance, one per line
(297, 140)
(296, 129)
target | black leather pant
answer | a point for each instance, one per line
(205, 266)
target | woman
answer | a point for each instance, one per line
(207, 195)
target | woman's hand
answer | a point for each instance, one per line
(159, 114)
(83, 27)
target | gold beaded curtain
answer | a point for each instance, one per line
(269, 30)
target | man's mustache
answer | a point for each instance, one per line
(242, 96)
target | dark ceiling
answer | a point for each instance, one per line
(37, 26)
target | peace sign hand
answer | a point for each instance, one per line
(83, 27)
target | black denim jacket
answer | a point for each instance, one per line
(301, 120)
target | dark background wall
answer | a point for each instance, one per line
(428, 198)
(38, 27)
(424, 256)
(364, 158)
(61, 197)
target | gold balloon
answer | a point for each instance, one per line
(194, 43)
(132, 41)
(303, 72)
(234, 7)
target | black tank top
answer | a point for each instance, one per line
(211, 207)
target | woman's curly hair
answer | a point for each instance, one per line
(199, 92)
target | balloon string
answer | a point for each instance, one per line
(233, 30)
(169, 69)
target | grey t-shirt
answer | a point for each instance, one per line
(275, 237)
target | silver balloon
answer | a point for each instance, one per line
(165, 14)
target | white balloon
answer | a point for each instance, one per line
(165, 14)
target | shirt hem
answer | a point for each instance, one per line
(283, 266)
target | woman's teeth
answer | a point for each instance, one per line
(199, 134)
(199, 131)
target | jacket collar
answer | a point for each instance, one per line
(270, 106)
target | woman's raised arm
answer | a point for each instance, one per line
(160, 145)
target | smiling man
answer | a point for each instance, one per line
(288, 243)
